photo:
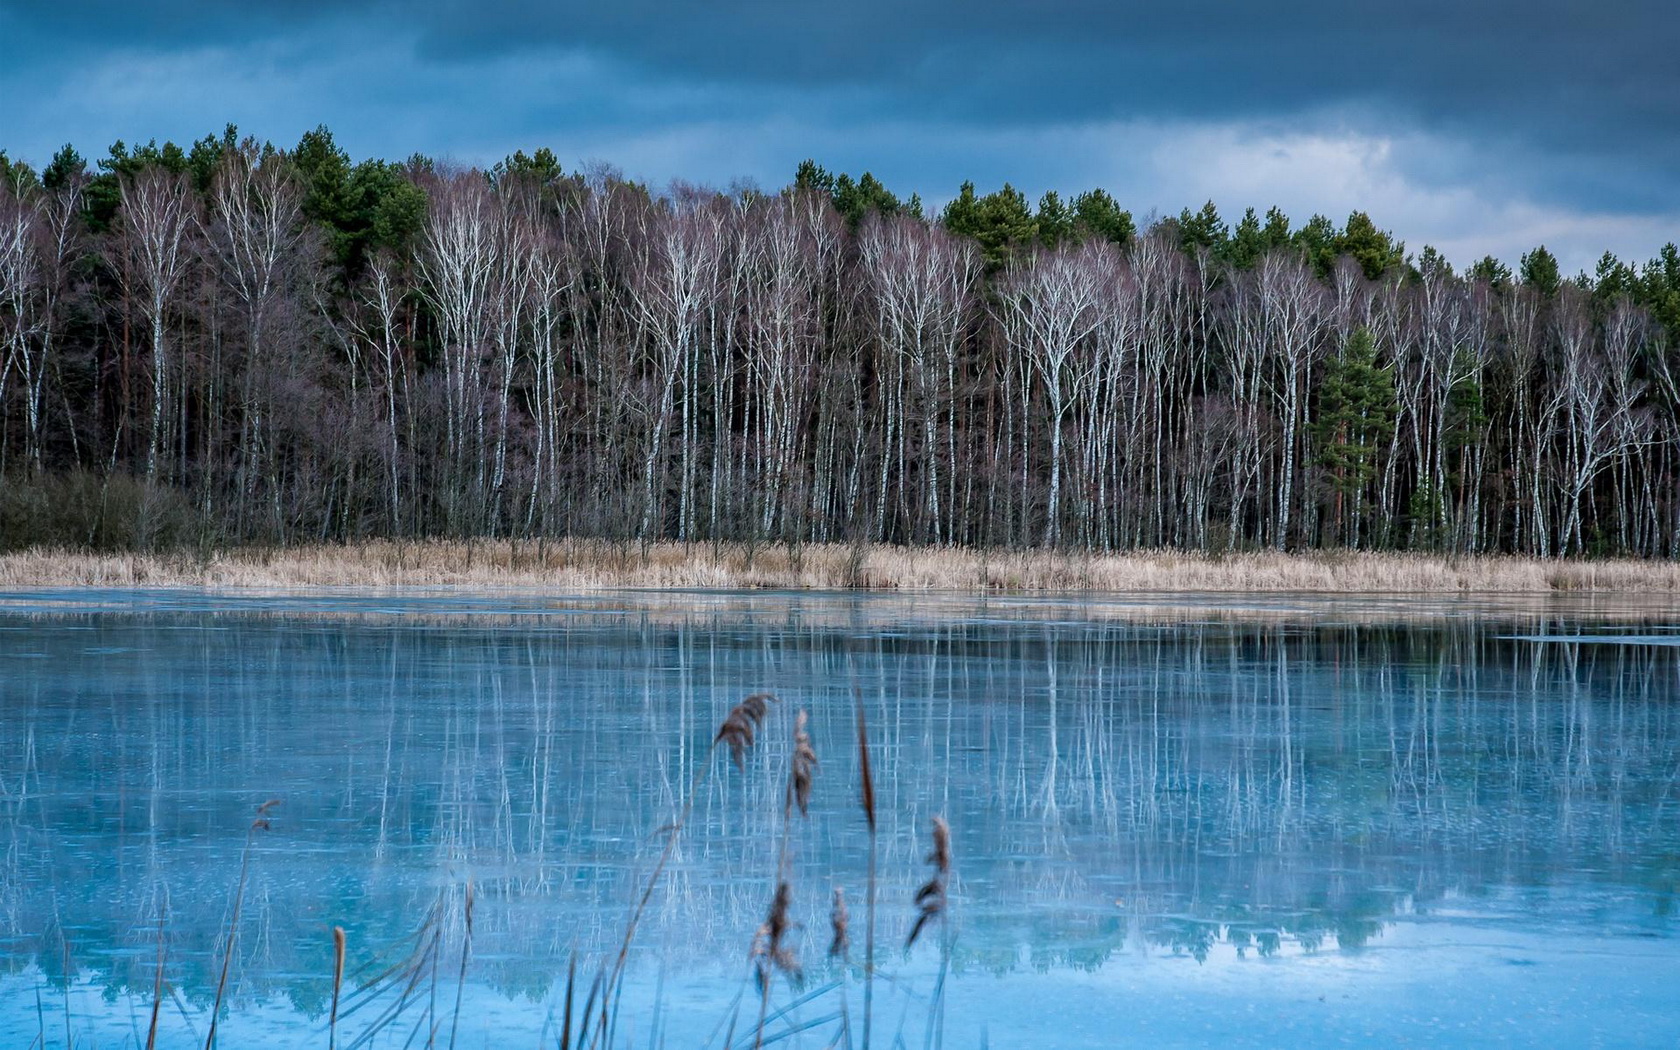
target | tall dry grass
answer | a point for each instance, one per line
(590, 565)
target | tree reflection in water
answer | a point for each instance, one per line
(1178, 781)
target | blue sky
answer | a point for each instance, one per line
(1479, 127)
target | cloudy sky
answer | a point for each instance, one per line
(1479, 126)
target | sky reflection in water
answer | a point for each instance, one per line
(1239, 822)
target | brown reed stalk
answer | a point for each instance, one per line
(566, 1016)
(867, 798)
(69, 1034)
(771, 953)
(770, 948)
(404, 976)
(930, 899)
(738, 730)
(157, 985)
(260, 823)
(768, 943)
(338, 985)
(461, 978)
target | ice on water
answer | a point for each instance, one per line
(1184, 822)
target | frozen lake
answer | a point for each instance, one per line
(1243, 822)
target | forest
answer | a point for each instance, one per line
(233, 344)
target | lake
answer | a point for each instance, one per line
(1174, 822)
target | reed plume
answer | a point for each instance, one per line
(770, 950)
(741, 724)
(930, 899)
(803, 766)
(840, 922)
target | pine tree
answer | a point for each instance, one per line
(1357, 408)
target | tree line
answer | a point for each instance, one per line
(234, 343)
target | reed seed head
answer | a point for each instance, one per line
(804, 765)
(866, 780)
(931, 897)
(742, 724)
(841, 922)
(940, 858)
(260, 823)
(770, 948)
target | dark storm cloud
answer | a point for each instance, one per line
(1597, 84)
(1562, 104)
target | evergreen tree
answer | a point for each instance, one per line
(1247, 243)
(853, 199)
(1099, 215)
(1492, 272)
(17, 175)
(1204, 229)
(1433, 263)
(1317, 243)
(541, 168)
(1376, 251)
(1539, 271)
(359, 207)
(1056, 221)
(206, 156)
(813, 177)
(1659, 290)
(1357, 406)
(1001, 223)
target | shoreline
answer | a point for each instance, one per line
(598, 565)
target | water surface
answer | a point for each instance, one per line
(1175, 822)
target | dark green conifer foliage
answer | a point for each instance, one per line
(810, 175)
(1247, 243)
(1055, 220)
(1431, 261)
(1539, 271)
(1490, 271)
(1002, 222)
(1376, 251)
(206, 156)
(1357, 409)
(65, 165)
(1317, 243)
(1659, 289)
(541, 167)
(360, 207)
(852, 199)
(17, 175)
(1099, 215)
(104, 192)
(1357, 406)
(1204, 229)
(1612, 280)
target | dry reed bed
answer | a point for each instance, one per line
(594, 565)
